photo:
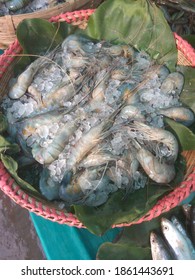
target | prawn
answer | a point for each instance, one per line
(90, 139)
(179, 114)
(141, 131)
(46, 155)
(97, 159)
(173, 84)
(87, 187)
(131, 111)
(159, 172)
(25, 79)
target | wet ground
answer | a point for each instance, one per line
(19, 240)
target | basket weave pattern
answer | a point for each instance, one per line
(8, 23)
(186, 56)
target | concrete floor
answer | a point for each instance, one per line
(19, 240)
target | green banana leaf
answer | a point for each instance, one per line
(12, 167)
(37, 37)
(185, 136)
(134, 241)
(7, 146)
(121, 208)
(188, 92)
(139, 23)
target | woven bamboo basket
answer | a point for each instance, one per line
(9, 23)
(186, 56)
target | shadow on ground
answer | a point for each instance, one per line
(19, 240)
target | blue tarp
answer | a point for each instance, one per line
(62, 242)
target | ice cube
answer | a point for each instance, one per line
(43, 131)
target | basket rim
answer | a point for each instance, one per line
(9, 22)
(14, 191)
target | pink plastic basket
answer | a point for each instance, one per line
(186, 56)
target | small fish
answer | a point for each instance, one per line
(159, 249)
(176, 240)
(181, 228)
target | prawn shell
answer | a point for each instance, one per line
(78, 43)
(115, 50)
(173, 84)
(25, 79)
(159, 172)
(163, 73)
(159, 249)
(93, 160)
(131, 111)
(120, 74)
(143, 131)
(179, 114)
(70, 190)
(28, 126)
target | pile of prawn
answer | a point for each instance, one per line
(91, 113)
